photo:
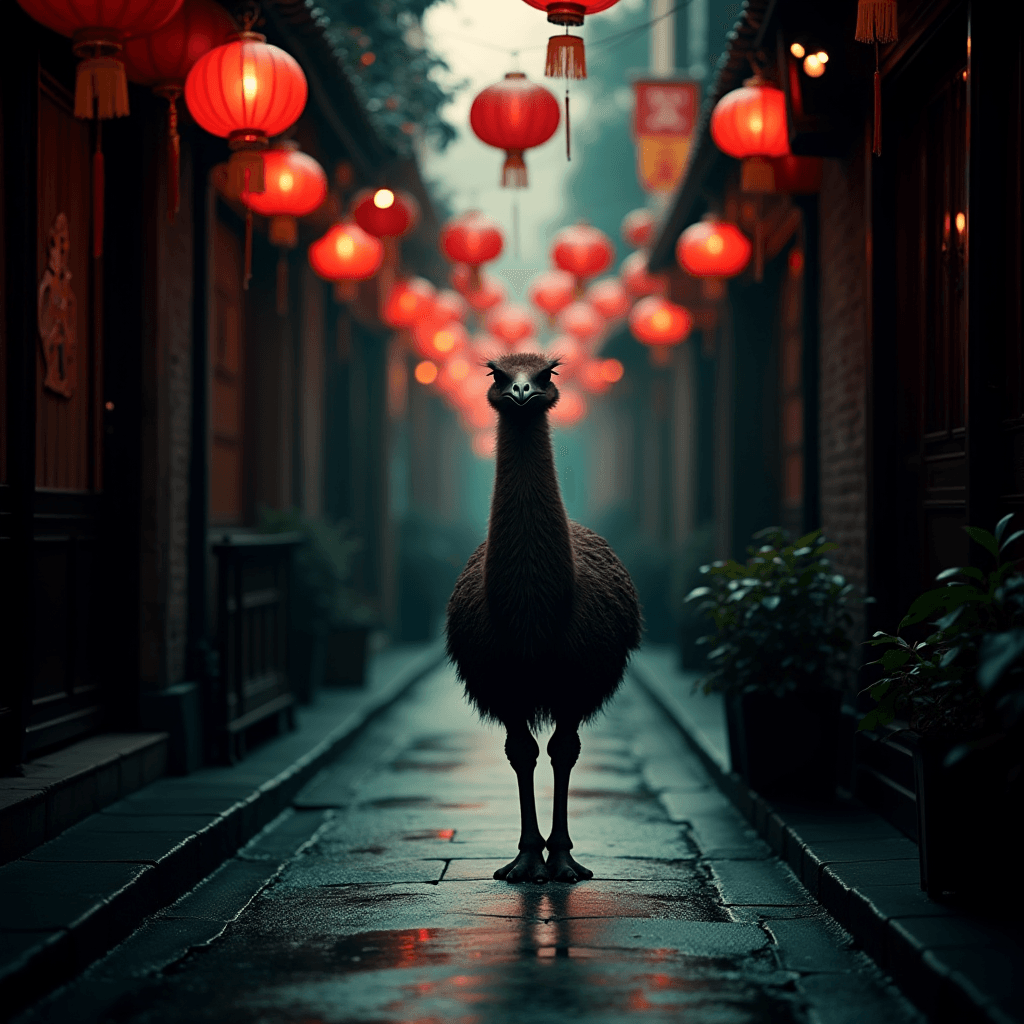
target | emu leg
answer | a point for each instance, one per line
(521, 750)
(564, 750)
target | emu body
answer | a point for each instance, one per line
(544, 616)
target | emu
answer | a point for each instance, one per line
(543, 618)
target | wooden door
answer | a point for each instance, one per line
(227, 393)
(66, 698)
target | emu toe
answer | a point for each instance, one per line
(562, 868)
(529, 866)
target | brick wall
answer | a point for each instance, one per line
(844, 367)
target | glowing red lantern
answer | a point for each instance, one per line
(582, 251)
(346, 253)
(452, 377)
(581, 321)
(514, 115)
(566, 56)
(751, 121)
(570, 408)
(487, 295)
(472, 239)
(163, 59)
(294, 186)
(407, 302)
(385, 213)
(713, 248)
(638, 228)
(433, 339)
(638, 280)
(510, 323)
(609, 297)
(552, 290)
(656, 321)
(449, 306)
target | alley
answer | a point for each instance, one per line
(372, 899)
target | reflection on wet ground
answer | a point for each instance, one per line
(391, 915)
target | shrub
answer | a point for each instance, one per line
(781, 618)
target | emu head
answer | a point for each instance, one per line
(522, 384)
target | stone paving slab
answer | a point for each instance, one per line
(865, 873)
(86, 889)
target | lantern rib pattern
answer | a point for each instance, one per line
(306, 194)
(125, 19)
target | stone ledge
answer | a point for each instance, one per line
(62, 788)
(76, 897)
(865, 872)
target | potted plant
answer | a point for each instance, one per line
(960, 689)
(780, 657)
(322, 600)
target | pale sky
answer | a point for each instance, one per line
(469, 171)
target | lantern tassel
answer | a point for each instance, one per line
(173, 160)
(99, 179)
(282, 284)
(513, 173)
(566, 57)
(876, 21)
(247, 273)
(757, 175)
(101, 88)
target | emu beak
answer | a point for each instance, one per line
(521, 389)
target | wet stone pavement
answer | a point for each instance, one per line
(372, 900)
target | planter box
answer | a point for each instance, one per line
(346, 656)
(785, 746)
(968, 820)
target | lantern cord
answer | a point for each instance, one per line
(877, 141)
(248, 239)
(173, 160)
(568, 153)
(98, 190)
(282, 284)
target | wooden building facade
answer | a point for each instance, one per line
(151, 405)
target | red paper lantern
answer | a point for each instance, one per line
(407, 302)
(566, 56)
(609, 297)
(487, 295)
(581, 321)
(656, 321)
(582, 251)
(346, 253)
(713, 248)
(460, 278)
(638, 280)
(514, 115)
(751, 121)
(434, 339)
(570, 408)
(449, 306)
(510, 323)
(472, 239)
(638, 228)
(385, 213)
(163, 59)
(98, 30)
(552, 290)
(294, 185)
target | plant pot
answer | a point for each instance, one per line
(785, 746)
(967, 819)
(346, 656)
(306, 660)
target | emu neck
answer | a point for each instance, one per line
(528, 568)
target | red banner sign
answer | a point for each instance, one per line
(664, 120)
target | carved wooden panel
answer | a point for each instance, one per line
(66, 417)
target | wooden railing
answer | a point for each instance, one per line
(253, 573)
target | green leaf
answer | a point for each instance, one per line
(1009, 540)
(948, 573)
(830, 545)
(947, 621)
(948, 656)
(697, 592)
(984, 538)
(1002, 525)
(932, 600)
(998, 652)
(892, 659)
(771, 602)
(807, 539)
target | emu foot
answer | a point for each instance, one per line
(529, 866)
(562, 867)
